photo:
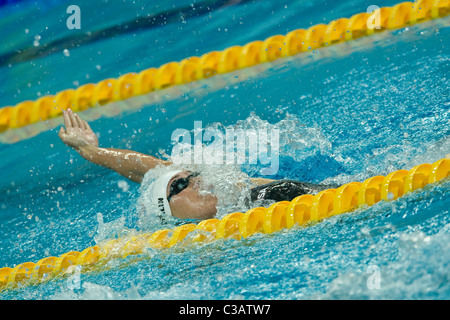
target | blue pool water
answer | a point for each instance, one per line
(345, 113)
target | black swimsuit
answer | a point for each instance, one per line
(286, 190)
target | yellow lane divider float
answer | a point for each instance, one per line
(218, 62)
(237, 225)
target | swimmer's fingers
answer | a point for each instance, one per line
(67, 120)
(73, 119)
(62, 133)
(79, 122)
(87, 126)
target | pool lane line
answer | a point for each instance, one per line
(301, 211)
(218, 62)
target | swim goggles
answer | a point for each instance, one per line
(180, 184)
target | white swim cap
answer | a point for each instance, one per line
(158, 191)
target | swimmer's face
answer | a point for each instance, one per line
(189, 203)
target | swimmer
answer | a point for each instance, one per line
(174, 193)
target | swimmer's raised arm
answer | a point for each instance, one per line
(130, 164)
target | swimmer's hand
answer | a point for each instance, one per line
(130, 164)
(77, 133)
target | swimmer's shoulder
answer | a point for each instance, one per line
(261, 181)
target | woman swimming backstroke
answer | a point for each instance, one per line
(175, 192)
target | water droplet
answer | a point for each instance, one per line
(36, 40)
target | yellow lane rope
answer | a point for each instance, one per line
(219, 62)
(237, 225)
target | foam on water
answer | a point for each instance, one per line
(230, 182)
